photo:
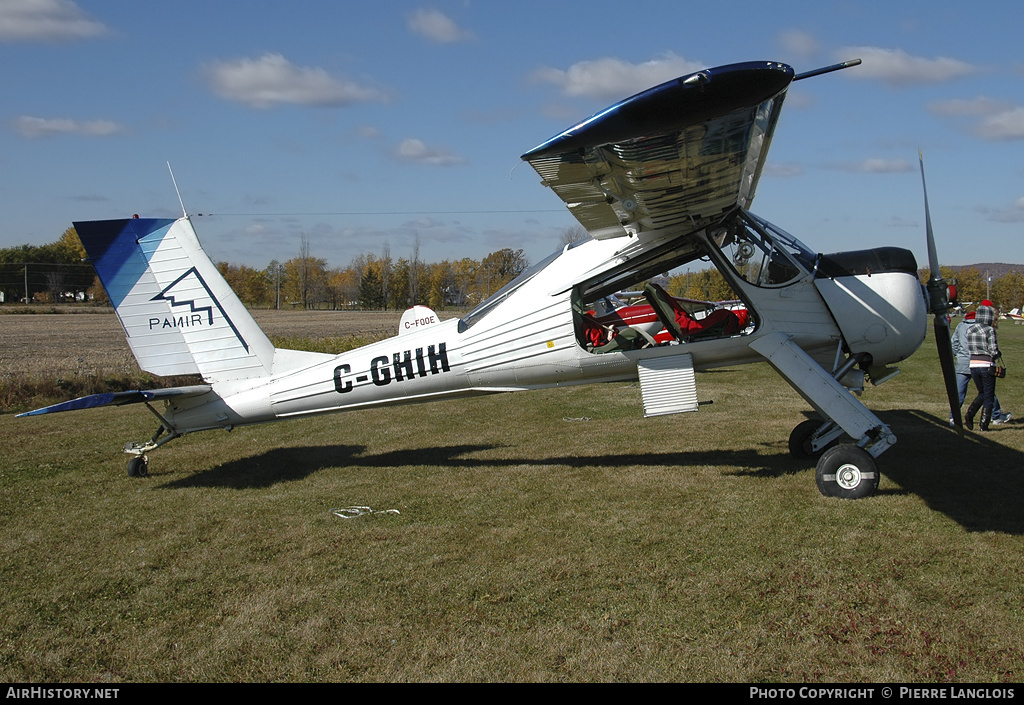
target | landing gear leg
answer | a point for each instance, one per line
(138, 466)
(845, 470)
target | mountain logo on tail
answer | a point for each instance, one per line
(190, 310)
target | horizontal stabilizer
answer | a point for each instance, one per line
(133, 396)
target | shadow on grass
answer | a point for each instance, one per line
(976, 481)
(297, 463)
(290, 464)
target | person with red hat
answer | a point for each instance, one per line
(963, 366)
(984, 351)
(998, 415)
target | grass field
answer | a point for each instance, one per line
(545, 536)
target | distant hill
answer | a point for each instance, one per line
(994, 269)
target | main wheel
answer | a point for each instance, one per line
(138, 466)
(800, 439)
(847, 471)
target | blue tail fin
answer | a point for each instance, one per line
(179, 314)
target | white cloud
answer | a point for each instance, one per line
(975, 106)
(999, 119)
(436, 26)
(885, 166)
(1004, 125)
(799, 43)
(32, 20)
(29, 126)
(783, 170)
(899, 222)
(610, 78)
(414, 150)
(876, 165)
(898, 68)
(273, 80)
(1013, 214)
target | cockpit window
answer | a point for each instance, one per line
(761, 253)
(672, 294)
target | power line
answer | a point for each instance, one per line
(342, 213)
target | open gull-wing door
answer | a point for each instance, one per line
(679, 155)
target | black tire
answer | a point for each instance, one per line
(138, 466)
(847, 471)
(800, 439)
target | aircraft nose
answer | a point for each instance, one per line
(876, 300)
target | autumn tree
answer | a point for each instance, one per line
(371, 287)
(970, 285)
(49, 270)
(344, 286)
(574, 234)
(499, 268)
(305, 278)
(251, 285)
(1008, 291)
(399, 284)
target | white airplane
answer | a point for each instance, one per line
(659, 180)
(1014, 315)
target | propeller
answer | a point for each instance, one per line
(939, 305)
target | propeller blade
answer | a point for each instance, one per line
(939, 305)
(933, 256)
(948, 364)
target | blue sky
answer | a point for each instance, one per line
(371, 125)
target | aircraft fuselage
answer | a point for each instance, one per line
(529, 339)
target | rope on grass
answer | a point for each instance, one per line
(353, 512)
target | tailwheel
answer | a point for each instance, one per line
(847, 471)
(138, 466)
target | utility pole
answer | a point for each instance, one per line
(277, 270)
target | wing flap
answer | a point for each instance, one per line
(680, 154)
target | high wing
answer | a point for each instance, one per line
(680, 154)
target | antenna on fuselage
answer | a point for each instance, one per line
(183, 211)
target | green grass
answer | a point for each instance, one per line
(546, 536)
(332, 345)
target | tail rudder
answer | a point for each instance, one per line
(180, 315)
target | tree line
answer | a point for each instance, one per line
(973, 286)
(53, 272)
(47, 273)
(373, 281)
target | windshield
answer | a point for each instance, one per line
(762, 253)
(504, 292)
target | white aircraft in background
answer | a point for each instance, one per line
(659, 180)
